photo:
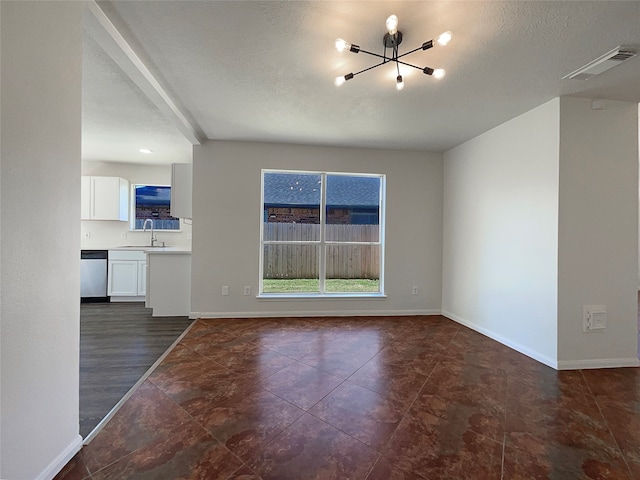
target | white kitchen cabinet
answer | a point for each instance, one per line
(105, 198)
(142, 277)
(127, 275)
(85, 199)
(181, 187)
(123, 278)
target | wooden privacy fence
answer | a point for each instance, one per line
(301, 261)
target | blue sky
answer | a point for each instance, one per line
(153, 195)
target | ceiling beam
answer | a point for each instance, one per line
(111, 40)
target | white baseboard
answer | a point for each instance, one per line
(598, 363)
(315, 313)
(558, 365)
(61, 460)
(505, 341)
(126, 299)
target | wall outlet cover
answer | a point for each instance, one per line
(594, 318)
(225, 290)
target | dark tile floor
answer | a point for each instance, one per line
(365, 398)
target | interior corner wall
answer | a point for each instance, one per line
(227, 217)
(41, 55)
(501, 230)
(598, 232)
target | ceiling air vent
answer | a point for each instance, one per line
(603, 63)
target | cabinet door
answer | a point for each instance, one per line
(181, 186)
(123, 278)
(85, 198)
(105, 196)
(142, 278)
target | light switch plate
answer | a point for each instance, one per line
(225, 290)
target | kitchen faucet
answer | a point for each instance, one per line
(144, 229)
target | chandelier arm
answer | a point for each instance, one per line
(373, 66)
(409, 65)
(376, 55)
(409, 52)
(387, 58)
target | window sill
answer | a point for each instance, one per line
(156, 231)
(318, 296)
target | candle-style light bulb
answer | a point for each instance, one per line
(392, 24)
(342, 45)
(444, 38)
(399, 82)
(438, 73)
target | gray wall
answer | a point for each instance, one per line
(598, 234)
(227, 218)
(40, 237)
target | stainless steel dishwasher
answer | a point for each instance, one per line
(93, 275)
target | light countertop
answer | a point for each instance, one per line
(148, 250)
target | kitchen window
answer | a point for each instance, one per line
(153, 202)
(322, 234)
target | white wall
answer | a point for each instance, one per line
(227, 219)
(106, 234)
(501, 232)
(598, 234)
(40, 109)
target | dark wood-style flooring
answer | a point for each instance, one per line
(118, 344)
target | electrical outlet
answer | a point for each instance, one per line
(414, 290)
(594, 318)
(225, 290)
(189, 237)
(123, 234)
(247, 290)
(87, 235)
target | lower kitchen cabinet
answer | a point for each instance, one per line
(127, 275)
(142, 277)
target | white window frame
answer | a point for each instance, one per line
(322, 242)
(132, 224)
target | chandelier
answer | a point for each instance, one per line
(391, 40)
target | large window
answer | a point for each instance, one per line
(153, 202)
(322, 233)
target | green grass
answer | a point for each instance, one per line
(311, 285)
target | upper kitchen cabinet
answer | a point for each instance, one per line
(105, 198)
(181, 182)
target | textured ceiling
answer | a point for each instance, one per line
(263, 71)
(118, 119)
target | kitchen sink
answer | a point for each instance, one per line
(143, 247)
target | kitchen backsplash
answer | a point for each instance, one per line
(104, 234)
